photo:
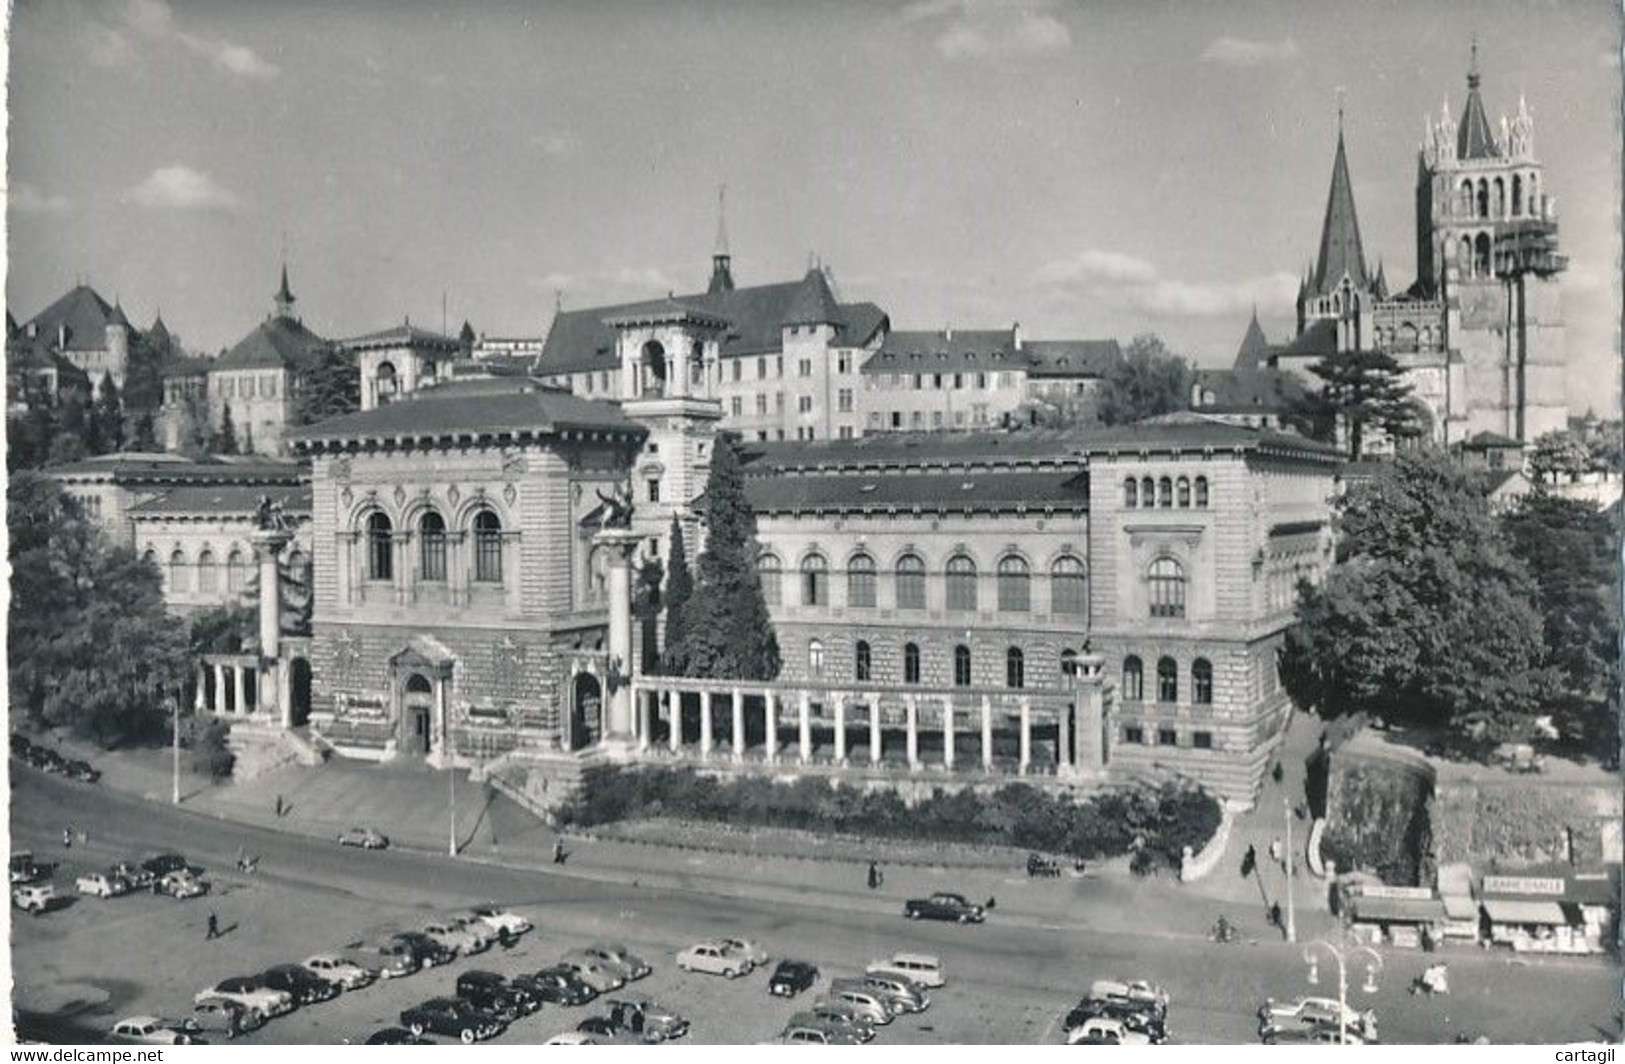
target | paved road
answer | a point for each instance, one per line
(80, 968)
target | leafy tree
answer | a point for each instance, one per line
(143, 376)
(1427, 617)
(646, 604)
(225, 629)
(196, 436)
(225, 440)
(679, 589)
(1361, 390)
(329, 386)
(1147, 381)
(108, 418)
(144, 437)
(90, 644)
(210, 754)
(1559, 453)
(729, 632)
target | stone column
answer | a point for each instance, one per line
(219, 688)
(804, 728)
(239, 688)
(442, 699)
(1063, 739)
(739, 725)
(402, 558)
(646, 718)
(948, 733)
(913, 733)
(199, 703)
(705, 725)
(840, 729)
(987, 733)
(621, 543)
(771, 713)
(1026, 734)
(674, 713)
(874, 729)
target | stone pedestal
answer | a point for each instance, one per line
(622, 545)
(270, 694)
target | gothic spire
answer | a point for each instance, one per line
(1474, 137)
(1340, 249)
(722, 279)
(284, 299)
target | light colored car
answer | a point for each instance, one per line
(747, 949)
(364, 838)
(455, 938)
(713, 958)
(844, 1016)
(336, 969)
(33, 897)
(227, 1017)
(923, 969)
(1317, 1012)
(591, 971)
(149, 1030)
(102, 885)
(253, 996)
(499, 920)
(183, 885)
(863, 1001)
(1133, 992)
(572, 1038)
(1099, 1030)
(899, 995)
(616, 955)
(816, 1033)
(483, 933)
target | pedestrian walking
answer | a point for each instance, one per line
(214, 928)
(992, 902)
(67, 837)
(558, 851)
(1276, 851)
(1249, 861)
(1277, 773)
(1275, 914)
(279, 807)
(874, 876)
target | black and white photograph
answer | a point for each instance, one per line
(1014, 522)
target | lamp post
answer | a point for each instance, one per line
(1291, 917)
(1373, 965)
(175, 751)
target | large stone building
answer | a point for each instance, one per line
(1480, 332)
(83, 328)
(260, 377)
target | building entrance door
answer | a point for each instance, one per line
(416, 708)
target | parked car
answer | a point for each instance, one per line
(82, 771)
(490, 991)
(227, 1017)
(149, 1030)
(391, 960)
(182, 885)
(1099, 1030)
(425, 950)
(713, 958)
(864, 1001)
(165, 863)
(1141, 1017)
(900, 994)
(813, 1032)
(336, 969)
(102, 884)
(1311, 1034)
(647, 1019)
(1135, 991)
(845, 1016)
(558, 986)
(33, 898)
(944, 905)
(1317, 1011)
(364, 838)
(499, 920)
(138, 877)
(396, 1036)
(453, 1018)
(306, 987)
(924, 969)
(791, 978)
(613, 954)
(24, 870)
(251, 994)
(747, 949)
(592, 971)
(572, 1038)
(460, 942)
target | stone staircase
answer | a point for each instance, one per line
(540, 781)
(260, 749)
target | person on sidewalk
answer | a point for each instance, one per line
(67, 837)
(214, 928)
(1249, 861)
(558, 851)
(1276, 850)
(279, 807)
(874, 876)
(1275, 915)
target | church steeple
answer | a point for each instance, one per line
(284, 298)
(1474, 137)
(722, 278)
(1340, 249)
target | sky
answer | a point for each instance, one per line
(1089, 169)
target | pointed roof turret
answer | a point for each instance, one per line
(814, 303)
(465, 335)
(722, 278)
(1474, 138)
(117, 316)
(284, 298)
(1340, 249)
(1253, 345)
(1379, 287)
(158, 336)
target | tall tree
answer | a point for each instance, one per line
(1365, 390)
(225, 440)
(646, 603)
(1427, 616)
(679, 590)
(329, 386)
(1559, 453)
(108, 417)
(72, 439)
(730, 633)
(144, 437)
(1147, 381)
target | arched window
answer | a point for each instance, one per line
(860, 581)
(236, 572)
(1165, 493)
(488, 547)
(387, 382)
(1148, 492)
(1183, 492)
(654, 369)
(1069, 663)
(380, 547)
(1131, 493)
(961, 583)
(911, 663)
(178, 582)
(1167, 579)
(208, 575)
(1517, 194)
(864, 664)
(1015, 585)
(815, 659)
(1202, 682)
(1167, 680)
(1481, 255)
(1015, 668)
(961, 666)
(1068, 587)
(1464, 261)
(1500, 198)
(1133, 679)
(1465, 202)
(770, 572)
(598, 573)
(150, 556)
(814, 581)
(432, 547)
(1483, 198)
(298, 563)
(1534, 195)
(910, 582)
(1201, 493)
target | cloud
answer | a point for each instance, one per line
(182, 188)
(1126, 279)
(24, 198)
(1240, 52)
(236, 59)
(112, 37)
(981, 29)
(555, 144)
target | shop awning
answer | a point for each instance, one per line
(1522, 911)
(1591, 889)
(1396, 910)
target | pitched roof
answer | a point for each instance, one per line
(223, 500)
(948, 351)
(1487, 440)
(1340, 249)
(490, 406)
(1071, 358)
(1474, 138)
(1237, 391)
(407, 335)
(1253, 345)
(39, 354)
(86, 315)
(163, 466)
(979, 489)
(814, 303)
(912, 450)
(1191, 431)
(276, 343)
(1317, 341)
(158, 336)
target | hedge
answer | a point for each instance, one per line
(1155, 823)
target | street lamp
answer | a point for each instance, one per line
(1373, 965)
(175, 749)
(1291, 916)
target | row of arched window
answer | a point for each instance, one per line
(431, 547)
(1069, 592)
(1015, 663)
(1487, 198)
(1168, 680)
(1474, 259)
(204, 575)
(1165, 492)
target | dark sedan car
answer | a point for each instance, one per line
(494, 994)
(453, 1018)
(165, 863)
(396, 1036)
(557, 985)
(791, 978)
(944, 906)
(425, 950)
(1133, 1016)
(306, 987)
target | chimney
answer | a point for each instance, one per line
(1015, 331)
